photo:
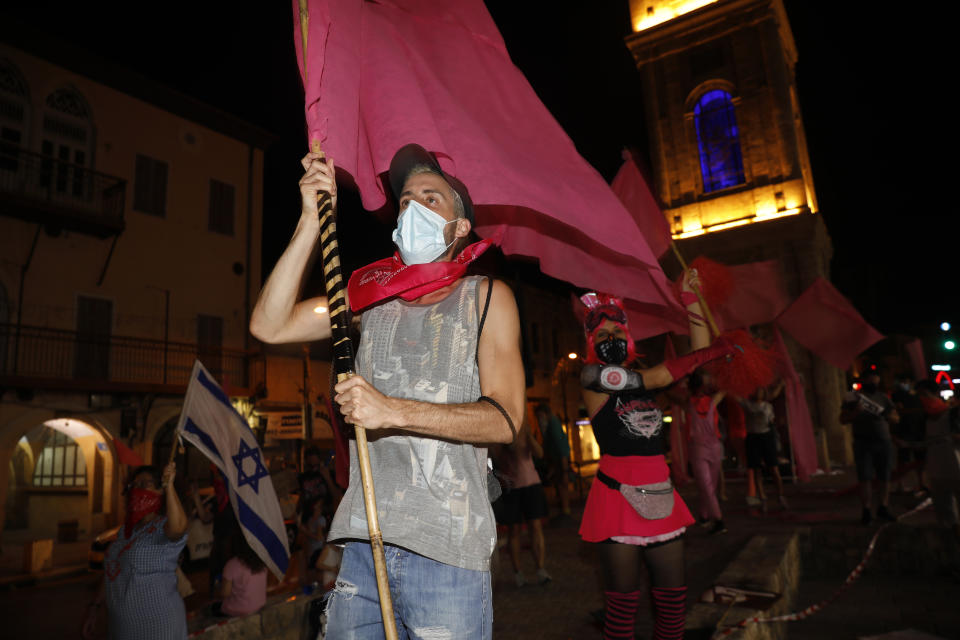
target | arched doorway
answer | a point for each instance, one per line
(60, 482)
(20, 474)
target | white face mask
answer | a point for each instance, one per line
(419, 234)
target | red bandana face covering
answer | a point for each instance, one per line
(140, 504)
(390, 277)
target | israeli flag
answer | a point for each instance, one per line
(211, 423)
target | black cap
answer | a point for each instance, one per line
(413, 155)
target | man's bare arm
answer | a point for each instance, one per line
(278, 317)
(501, 379)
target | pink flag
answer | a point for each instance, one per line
(678, 438)
(825, 322)
(918, 364)
(632, 189)
(758, 296)
(128, 456)
(799, 424)
(380, 75)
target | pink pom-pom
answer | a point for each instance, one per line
(750, 367)
(716, 282)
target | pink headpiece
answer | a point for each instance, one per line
(601, 306)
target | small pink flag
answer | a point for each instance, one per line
(126, 455)
(631, 187)
(825, 322)
(799, 424)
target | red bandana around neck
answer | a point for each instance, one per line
(390, 277)
(140, 504)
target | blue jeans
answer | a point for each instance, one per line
(431, 600)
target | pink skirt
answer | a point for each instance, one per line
(607, 513)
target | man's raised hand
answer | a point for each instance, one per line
(319, 176)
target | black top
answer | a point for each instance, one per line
(629, 424)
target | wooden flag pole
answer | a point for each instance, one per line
(714, 329)
(343, 365)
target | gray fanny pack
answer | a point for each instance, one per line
(652, 501)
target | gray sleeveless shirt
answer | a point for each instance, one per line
(431, 493)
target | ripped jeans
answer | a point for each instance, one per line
(431, 600)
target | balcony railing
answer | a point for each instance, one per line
(46, 190)
(57, 358)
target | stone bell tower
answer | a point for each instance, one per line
(729, 152)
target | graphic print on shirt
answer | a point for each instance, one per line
(642, 418)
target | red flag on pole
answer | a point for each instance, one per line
(380, 75)
(799, 424)
(825, 322)
(632, 189)
(126, 455)
(758, 296)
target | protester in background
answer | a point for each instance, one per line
(870, 413)
(313, 528)
(908, 434)
(706, 450)
(328, 564)
(316, 483)
(225, 525)
(761, 443)
(628, 524)
(139, 569)
(243, 589)
(736, 437)
(943, 453)
(523, 500)
(556, 453)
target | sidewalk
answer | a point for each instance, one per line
(877, 603)
(69, 558)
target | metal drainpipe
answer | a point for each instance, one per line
(246, 290)
(23, 278)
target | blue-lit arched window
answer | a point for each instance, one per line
(718, 140)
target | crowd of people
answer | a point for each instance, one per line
(458, 403)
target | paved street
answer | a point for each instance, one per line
(885, 599)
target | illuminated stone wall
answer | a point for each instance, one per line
(684, 49)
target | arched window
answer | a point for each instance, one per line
(14, 113)
(718, 139)
(66, 139)
(61, 462)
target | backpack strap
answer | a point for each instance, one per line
(483, 315)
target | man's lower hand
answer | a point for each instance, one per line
(362, 405)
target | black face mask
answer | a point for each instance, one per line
(612, 351)
(869, 387)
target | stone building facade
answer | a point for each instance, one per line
(129, 246)
(729, 156)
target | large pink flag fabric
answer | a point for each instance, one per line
(379, 75)
(825, 322)
(918, 364)
(799, 423)
(758, 296)
(631, 187)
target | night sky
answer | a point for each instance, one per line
(869, 85)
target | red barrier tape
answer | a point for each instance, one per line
(809, 611)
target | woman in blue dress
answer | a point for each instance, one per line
(139, 581)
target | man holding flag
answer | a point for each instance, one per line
(439, 375)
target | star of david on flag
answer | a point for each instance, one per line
(209, 422)
(259, 470)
